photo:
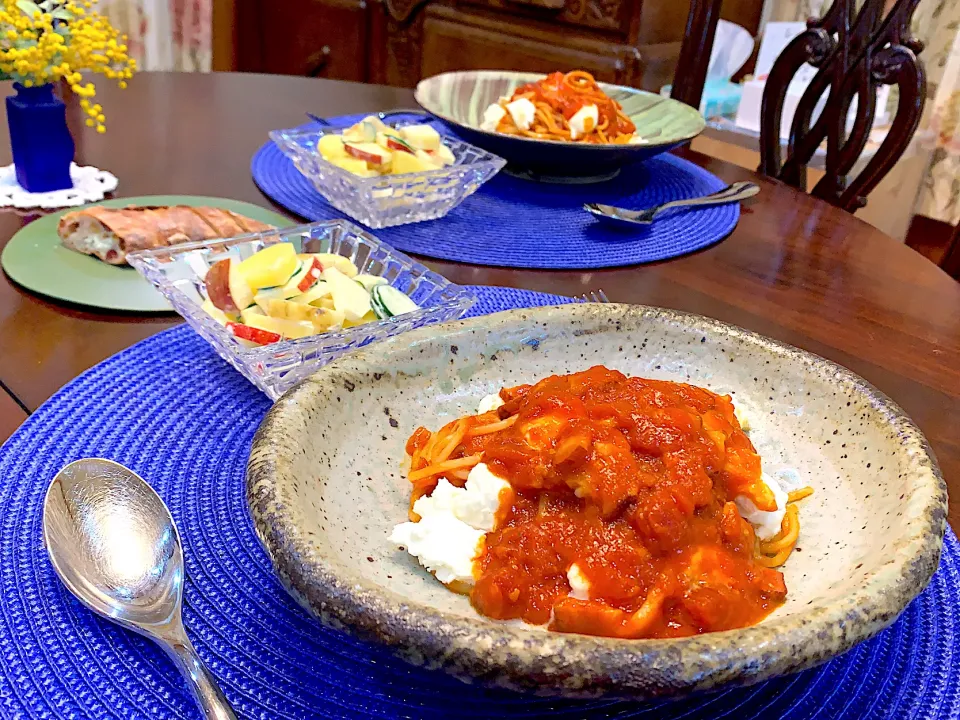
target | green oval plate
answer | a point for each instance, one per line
(35, 259)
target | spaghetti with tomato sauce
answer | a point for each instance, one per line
(562, 106)
(628, 482)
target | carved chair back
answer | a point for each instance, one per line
(855, 52)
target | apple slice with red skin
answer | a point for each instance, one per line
(254, 335)
(398, 144)
(373, 154)
(310, 279)
(226, 288)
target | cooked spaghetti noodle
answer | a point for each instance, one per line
(568, 107)
(632, 482)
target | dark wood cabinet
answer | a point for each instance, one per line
(318, 38)
(458, 40)
(398, 42)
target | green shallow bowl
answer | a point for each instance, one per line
(459, 99)
(35, 259)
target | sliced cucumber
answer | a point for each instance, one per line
(388, 302)
(369, 282)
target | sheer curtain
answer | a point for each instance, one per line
(165, 34)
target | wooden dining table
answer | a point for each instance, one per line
(795, 268)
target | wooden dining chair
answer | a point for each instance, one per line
(694, 58)
(951, 259)
(854, 53)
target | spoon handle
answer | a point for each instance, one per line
(732, 193)
(202, 685)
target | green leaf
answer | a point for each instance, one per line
(28, 8)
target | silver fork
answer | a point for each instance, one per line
(596, 296)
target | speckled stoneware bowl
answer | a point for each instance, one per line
(325, 487)
(460, 98)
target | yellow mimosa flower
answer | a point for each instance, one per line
(41, 48)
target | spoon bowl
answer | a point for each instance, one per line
(114, 544)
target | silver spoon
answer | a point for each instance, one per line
(732, 193)
(115, 546)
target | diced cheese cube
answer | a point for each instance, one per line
(445, 155)
(522, 111)
(421, 137)
(583, 121)
(492, 117)
(349, 297)
(353, 165)
(404, 162)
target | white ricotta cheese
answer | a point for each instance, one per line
(492, 117)
(453, 522)
(766, 524)
(583, 121)
(444, 545)
(579, 584)
(490, 402)
(475, 504)
(522, 111)
(637, 140)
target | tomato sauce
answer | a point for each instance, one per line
(632, 480)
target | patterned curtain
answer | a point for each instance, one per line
(165, 34)
(940, 194)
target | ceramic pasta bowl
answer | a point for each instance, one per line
(460, 98)
(325, 486)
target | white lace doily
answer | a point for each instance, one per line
(89, 185)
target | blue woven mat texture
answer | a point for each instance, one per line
(518, 223)
(173, 411)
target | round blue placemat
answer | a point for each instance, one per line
(173, 411)
(523, 224)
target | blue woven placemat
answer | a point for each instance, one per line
(173, 411)
(518, 223)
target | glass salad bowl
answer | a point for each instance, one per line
(389, 200)
(179, 272)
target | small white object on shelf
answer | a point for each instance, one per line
(89, 185)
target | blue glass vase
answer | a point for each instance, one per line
(39, 138)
